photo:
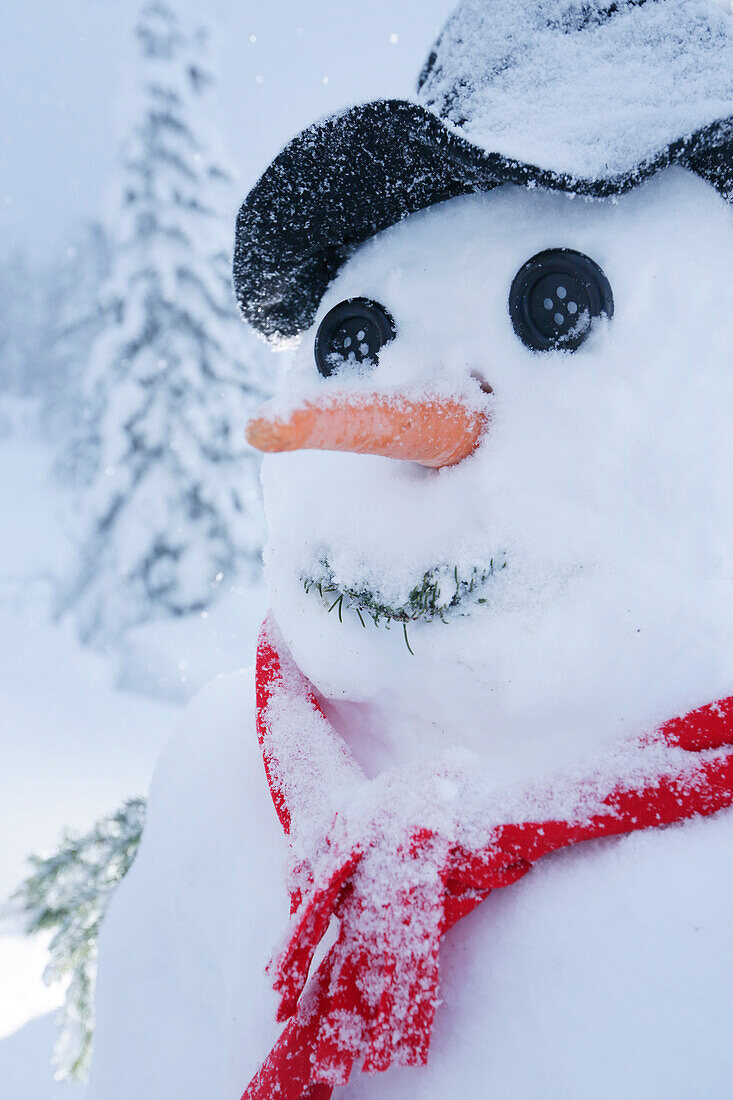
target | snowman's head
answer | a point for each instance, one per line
(535, 524)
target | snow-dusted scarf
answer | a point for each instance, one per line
(400, 859)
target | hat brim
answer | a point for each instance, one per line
(353, 175)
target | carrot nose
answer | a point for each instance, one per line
(433, 430)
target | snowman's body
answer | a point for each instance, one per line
(602, 490)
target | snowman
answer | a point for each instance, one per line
(493, 764)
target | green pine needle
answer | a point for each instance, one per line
(441, 593)
(67, 894)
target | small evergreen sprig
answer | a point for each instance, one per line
(440, 593)
(67, 894)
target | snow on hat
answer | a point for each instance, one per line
(587, 96)
(589, 89)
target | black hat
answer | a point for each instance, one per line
(585, 96)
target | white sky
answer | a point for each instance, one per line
(64, 65)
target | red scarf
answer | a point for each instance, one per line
(396, 885)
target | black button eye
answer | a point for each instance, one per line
(555, 298)
(353, 332)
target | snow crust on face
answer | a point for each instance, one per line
(603, 483)
(591, 88)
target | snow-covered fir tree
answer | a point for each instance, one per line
(173, 506)
(67, 894)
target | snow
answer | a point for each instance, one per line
(590, 89)
(25, 996)
(24, 1064)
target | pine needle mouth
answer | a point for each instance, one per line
(441, 593)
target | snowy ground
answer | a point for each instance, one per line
(79, 731)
